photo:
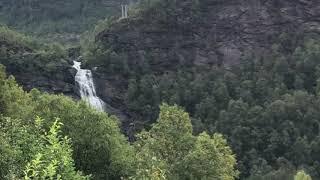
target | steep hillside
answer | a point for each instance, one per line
(245, 74)
(36, 65)
(246, 69)
(193, 32)
(60, 20)
(163, 36)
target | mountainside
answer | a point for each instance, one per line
(163, 36)
(36, 65)
(240, 68)
(203, 89)
(209, 32)
(60, 20)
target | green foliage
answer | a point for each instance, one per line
(301, 175)
(18, 144)
(13, 100)
(21, 138)
(262, 171)
(170, 151)
(171, 137)
(50, 19)
(149, 166)
(14, 38)
(167, 151)
(53, 160)
(98, 146)
(17, 43)
(266, 107)
(35, 64)
(107, 152)
(210, 159)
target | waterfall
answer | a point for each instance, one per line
(86, 86)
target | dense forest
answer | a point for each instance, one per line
(58, 20)
(257, 119)
(52, 137)
(267, 107)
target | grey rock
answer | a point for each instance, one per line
(222, 29)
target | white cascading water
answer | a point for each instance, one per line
(86, 87)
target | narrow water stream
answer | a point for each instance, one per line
(86, 86)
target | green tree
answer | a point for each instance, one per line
(301, 175)
(171, 137)
(211, 158)
(54, 157)
(107, 153)
(17, 145)
(148, 165)
(169, 150)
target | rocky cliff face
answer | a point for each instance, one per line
(45, 71)
(57, 81)
(209, 32)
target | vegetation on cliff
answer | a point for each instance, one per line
(266, 105)
(40, 149)
(36, 64)
(204, 118)
(62, 21)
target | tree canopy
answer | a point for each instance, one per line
(85, 143)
